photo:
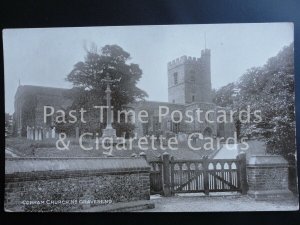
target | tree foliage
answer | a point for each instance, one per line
(89, 89)
(270, 89)
(223, 96)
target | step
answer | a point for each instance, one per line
(122, 207)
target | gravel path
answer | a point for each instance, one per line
(218, 203)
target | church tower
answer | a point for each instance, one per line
(189, 79)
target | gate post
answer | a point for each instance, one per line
(242, 172)
(205, 175)
(166, 175)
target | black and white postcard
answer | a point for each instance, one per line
(156, 118)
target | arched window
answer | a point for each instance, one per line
(193, 84)
(192, 77)
(175, 78)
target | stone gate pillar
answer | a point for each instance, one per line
(166, 174)
(268, 177)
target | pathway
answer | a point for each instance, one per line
(218, 204)
(228, 151)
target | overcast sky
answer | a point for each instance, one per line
(45, 56)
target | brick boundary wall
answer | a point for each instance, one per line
(33, 184)
(267, 177)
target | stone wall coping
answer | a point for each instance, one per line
(64, 158)
(267, 161)
(74, 165)
(60, 174)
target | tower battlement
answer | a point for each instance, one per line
(183, 59)
(205, 51)
(188, 59)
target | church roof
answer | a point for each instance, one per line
(33, 90)
(153, 103)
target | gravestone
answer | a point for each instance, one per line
(53, 132)
(47, 133)
(40, 133)
(182, 137)
(31, 133)
(36, 134)
(77, 133)
(28, 132)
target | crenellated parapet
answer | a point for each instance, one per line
(182, 60)
(205, 52)
(189, 59)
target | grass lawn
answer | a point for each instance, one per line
(23, 147)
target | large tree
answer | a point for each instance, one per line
(224, 96)
(89, 89)
(270, 89)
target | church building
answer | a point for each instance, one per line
(189, 89)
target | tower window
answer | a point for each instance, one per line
(193, 98)
(193, 84)
(175, 78)
(193, 79)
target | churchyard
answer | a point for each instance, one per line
(24, 147)
(222, 194)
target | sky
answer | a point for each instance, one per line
(45, 56)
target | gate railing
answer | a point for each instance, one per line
(169, 176)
